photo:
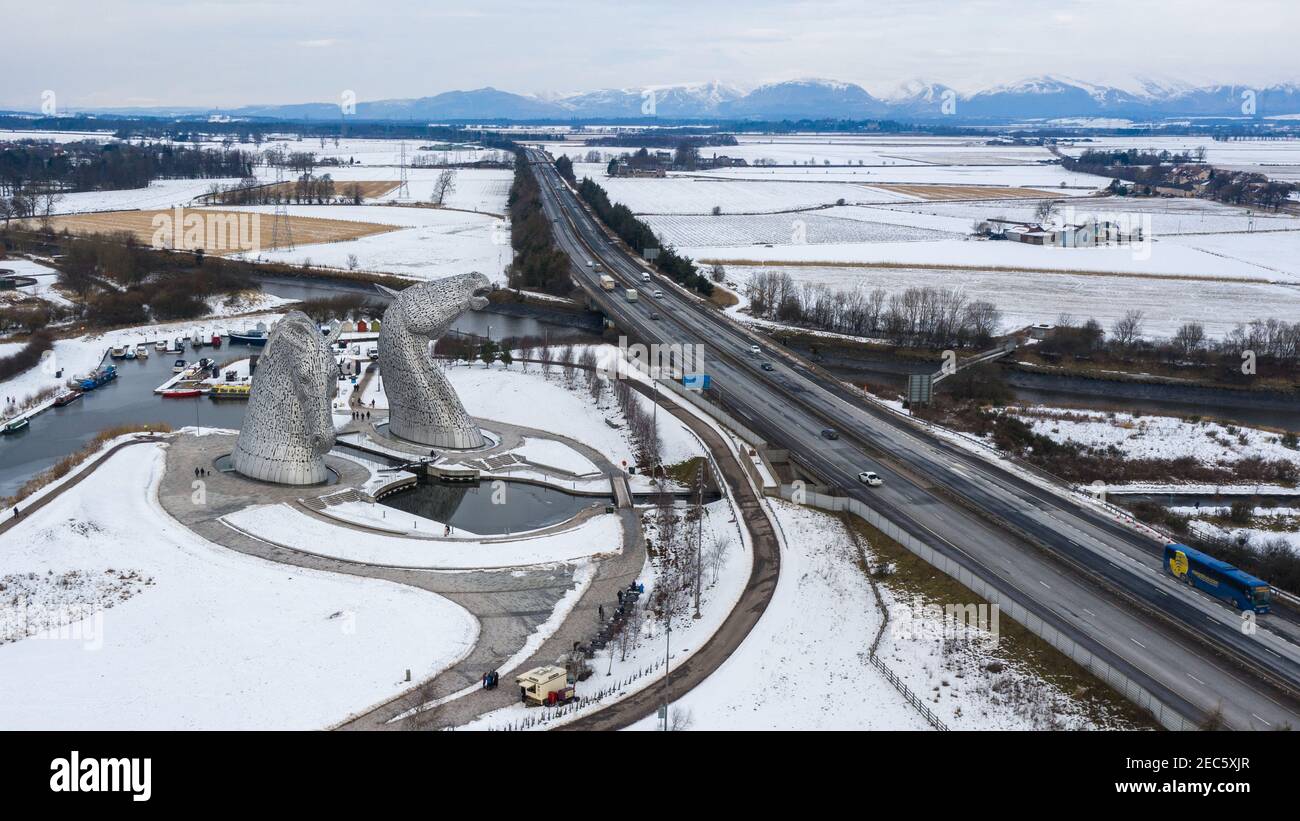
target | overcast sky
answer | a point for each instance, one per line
(229, 53)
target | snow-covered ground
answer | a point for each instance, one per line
(1283, 525)
(554, 454)
(1157, 437)
(805, 664)
(154, 627)
(431, 243)
(623, 669)
(1029, 298)
(286, 525)
(526, 397)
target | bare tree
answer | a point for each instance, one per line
(716, 557)
(1043, 211)
(1128, 328)
(427, 714)
(680, 719)
(444, 185)
(1190, 338)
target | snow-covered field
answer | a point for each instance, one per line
(1028, 298)
(185, 634)
(1157, 437)
(805, 664)
(431, 243)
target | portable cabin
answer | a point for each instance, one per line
(544, 685)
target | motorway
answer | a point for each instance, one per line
(1090, 577)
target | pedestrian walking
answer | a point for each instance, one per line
(16, 513)
(601, 611)
(196, 472)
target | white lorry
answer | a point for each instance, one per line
(607, 282)
(630, 293)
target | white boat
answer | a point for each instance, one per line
(160, 346)
(179, 366)
(117, 351)
(142, 351)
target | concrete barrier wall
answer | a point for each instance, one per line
(1121, 683)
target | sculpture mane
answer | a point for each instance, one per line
(422, 405)
(288, 428)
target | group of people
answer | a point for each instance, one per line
(490, 680)
(200, 471)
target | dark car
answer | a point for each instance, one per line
(767, 366)
(654, 316)
(830, 433)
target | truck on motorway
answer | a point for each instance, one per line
(607, 282)
(1217, 578)
(630, 293)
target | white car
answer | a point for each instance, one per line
(754, 349)
(658, 294)
(870, 479)
(591, 264)
(645, 277)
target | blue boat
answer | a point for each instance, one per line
(255, 338)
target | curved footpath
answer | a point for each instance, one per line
(11, 521)
(753, 601)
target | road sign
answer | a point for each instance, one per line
(920, 388)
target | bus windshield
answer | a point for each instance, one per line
(1262, 595)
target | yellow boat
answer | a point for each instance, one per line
(230, 391)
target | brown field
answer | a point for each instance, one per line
(219, 232)
(963, 192)
(370, 189)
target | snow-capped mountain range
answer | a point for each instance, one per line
(1037, 98)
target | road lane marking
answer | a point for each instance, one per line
(1266, 724)
(1195, 679)
(1138, 643)
(1044, 584)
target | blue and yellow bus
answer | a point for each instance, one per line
(1220, 579)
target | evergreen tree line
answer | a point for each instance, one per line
(538, 264)
(639, 237)
(90, 166)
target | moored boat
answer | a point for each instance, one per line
(230, 392)
(142, 351)
(182, 393)
(66, 398)
(160, 345)
(117, 351)
(15, 426)
(179, 366)
(255, 338)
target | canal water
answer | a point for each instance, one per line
(130, 399)
(518, 506)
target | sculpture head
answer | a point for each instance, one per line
(306, 359)
(288, 427)
(428, 309)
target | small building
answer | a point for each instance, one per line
(544, 685)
